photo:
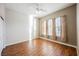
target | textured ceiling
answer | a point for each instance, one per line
(30, 8)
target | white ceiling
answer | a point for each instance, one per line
(30, 8)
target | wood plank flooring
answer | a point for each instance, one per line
(39, 47)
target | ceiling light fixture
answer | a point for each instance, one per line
(39, 10)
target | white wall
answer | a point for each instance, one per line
(2, 10)
(78, 27)
(2, 28)
(2, 13)
(17, 27)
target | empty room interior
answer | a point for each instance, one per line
(39, 29)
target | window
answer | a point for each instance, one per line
(44, 27)
(54, 28)
(34, 27)
(58, 26)
(49, 27)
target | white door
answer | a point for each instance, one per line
(1, 35)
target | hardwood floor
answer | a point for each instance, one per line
(39, 47)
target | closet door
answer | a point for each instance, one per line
(1, 35)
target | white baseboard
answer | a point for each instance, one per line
(77, 51)
(15, 43)
(48, 40)
(59, 42)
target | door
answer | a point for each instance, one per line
(1, 35)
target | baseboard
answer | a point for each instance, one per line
(15, 43)
(45, 39)
(59, 42)
(48, 40)
(77, 51)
